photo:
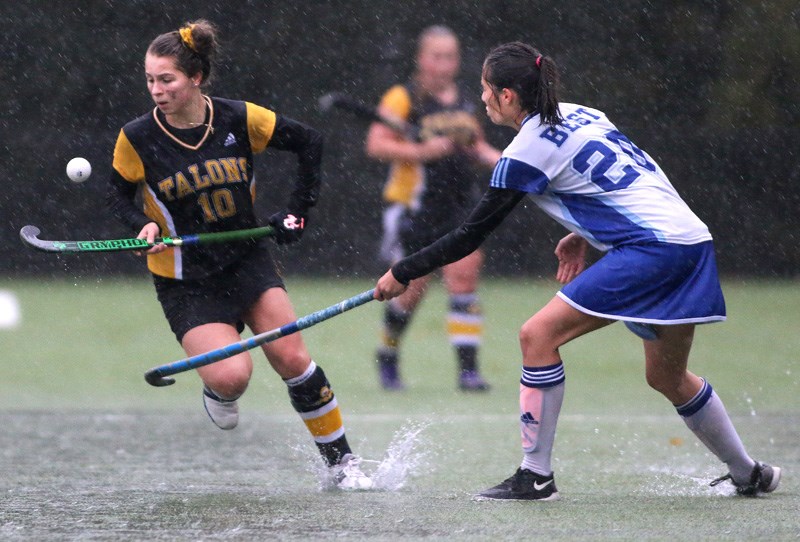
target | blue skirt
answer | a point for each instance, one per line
(658, 283)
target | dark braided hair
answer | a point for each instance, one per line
(520, 67)
(193, 46)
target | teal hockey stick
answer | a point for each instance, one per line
(157, 375)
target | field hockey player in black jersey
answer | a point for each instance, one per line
(190, 160)
(431, 186)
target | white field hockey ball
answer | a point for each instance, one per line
(79, 169)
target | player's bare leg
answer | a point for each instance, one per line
(666, 361)
(229, 377)
(287, 355)
(412, 297)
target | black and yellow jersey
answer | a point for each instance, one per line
(201, 179)
(443, 186)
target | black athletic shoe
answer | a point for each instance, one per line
(763, 479)
(524, 485)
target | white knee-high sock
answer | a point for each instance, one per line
(541, 393)
(706, 416)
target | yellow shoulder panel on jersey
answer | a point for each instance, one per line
(127, 161)
(260, 126)
(397, 101)
(404, 177)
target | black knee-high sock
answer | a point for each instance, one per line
(395, 322)
(312, 397)
(465, 328)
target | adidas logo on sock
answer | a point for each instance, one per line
(230, 140)
(528, 418)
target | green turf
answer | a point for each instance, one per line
(90, 451)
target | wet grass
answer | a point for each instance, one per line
(89, 451)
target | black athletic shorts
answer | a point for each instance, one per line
(223, 297)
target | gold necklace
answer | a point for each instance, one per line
(209, 127)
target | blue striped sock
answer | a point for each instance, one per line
(543, 377)
(697, 402)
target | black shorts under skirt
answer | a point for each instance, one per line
(223, 297)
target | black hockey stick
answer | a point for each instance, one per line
(30, 236)
(360, 110)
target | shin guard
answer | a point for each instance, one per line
(312, 397)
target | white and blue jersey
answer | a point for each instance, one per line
(593, 180)
(659, 266)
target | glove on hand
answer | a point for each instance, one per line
(288, 226)
(459, 126)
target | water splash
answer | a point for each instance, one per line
(672, 482)
(311, 459)
(405, 457)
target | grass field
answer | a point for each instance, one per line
(89, 451)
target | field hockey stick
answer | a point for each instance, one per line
(346, 103)
(157, 375)
(30, 236)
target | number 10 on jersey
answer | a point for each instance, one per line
(217, 204)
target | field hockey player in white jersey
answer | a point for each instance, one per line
(658, 274)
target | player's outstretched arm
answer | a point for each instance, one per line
(491, 210)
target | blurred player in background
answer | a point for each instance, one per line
(432, 184)
(190, 160)
(658, 274)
